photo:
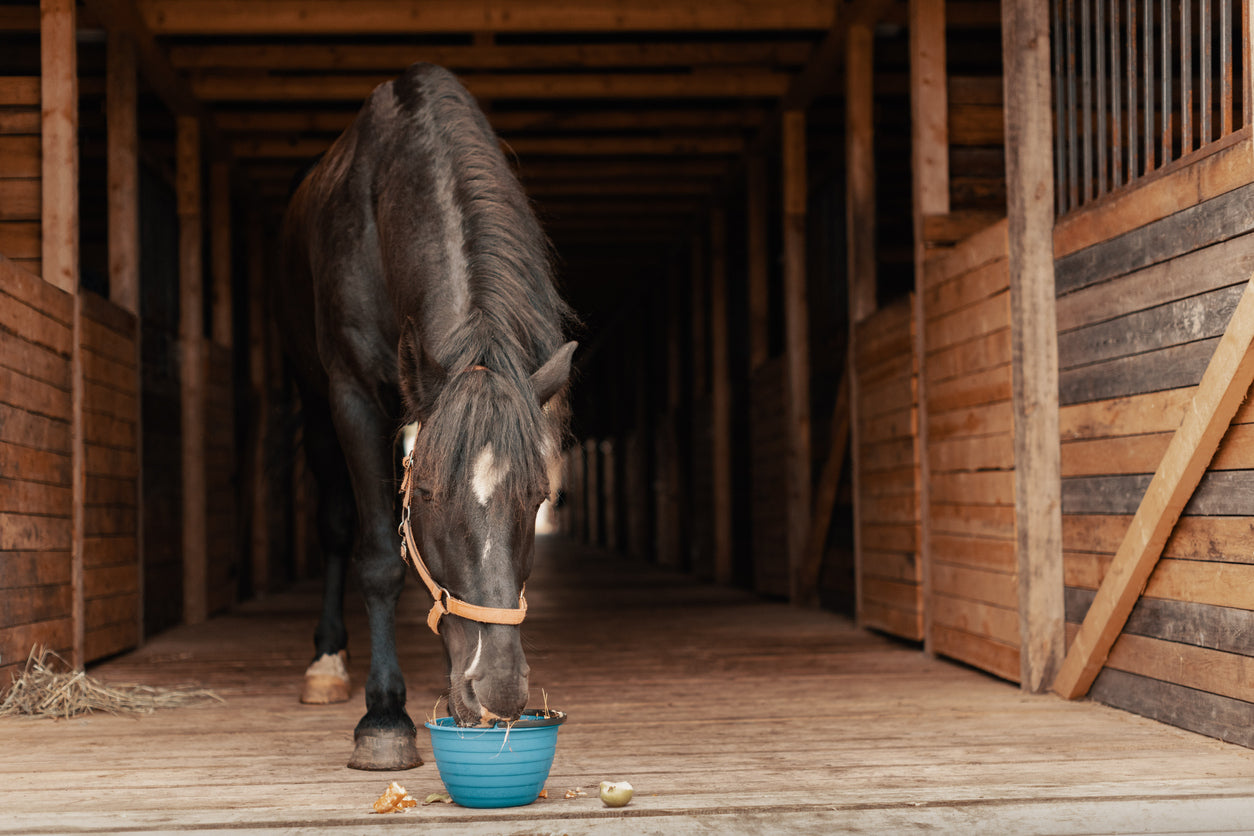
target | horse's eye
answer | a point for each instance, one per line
(425, 494)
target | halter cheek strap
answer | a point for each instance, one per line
(445, 603)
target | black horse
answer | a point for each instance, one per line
(417, 288)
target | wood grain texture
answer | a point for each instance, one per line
(921, 742)
(1223, 388)
(1185, 231)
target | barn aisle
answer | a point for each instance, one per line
(727, 714)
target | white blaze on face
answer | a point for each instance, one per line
(474, 663)
(487, 474)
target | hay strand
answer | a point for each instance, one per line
(48, 687)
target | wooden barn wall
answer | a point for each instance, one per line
(701, 509)
(36, 467)
(1139, 316)
(768, 451)
(973, 602)
(222, 489)
(890, 581)
(20, 167)
(111, 590)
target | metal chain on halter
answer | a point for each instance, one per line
(445, 603)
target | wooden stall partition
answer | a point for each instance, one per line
(20, 167)
(223, 563)
(1140, 315)
(36, 451)
(111, 407)
(973, 601)
(700, 495)
(768, 449)
(890, 588)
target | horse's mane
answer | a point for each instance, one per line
(515, 317)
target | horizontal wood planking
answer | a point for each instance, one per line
(1166, 368)
(974, 586)
(1193, 318)
(1142, 453)
(889, 586)
(20, 169)
(1214, 583)
(1149, 412)
(1199, 271)
(1229, 167)
(35, 465)
(1224, 539)
(1136, 333)
(1229, 629)
(1221, 493)
(1188, 708)
(111, 405)
(981, 651)
(1210, 222)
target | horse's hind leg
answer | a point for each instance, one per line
(326, 679)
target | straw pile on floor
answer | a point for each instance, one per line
(48, 687)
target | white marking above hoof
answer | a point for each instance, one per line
(326, 680)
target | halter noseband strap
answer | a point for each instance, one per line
(445, 603)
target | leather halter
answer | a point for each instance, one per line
(445, 603)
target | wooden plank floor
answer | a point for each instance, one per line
(728, 714)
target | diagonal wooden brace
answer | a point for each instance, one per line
(1224, 386)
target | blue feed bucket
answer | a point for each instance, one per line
(496, 766)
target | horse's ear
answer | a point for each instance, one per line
(421, 377)
(552, 376)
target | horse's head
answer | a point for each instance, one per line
(486, 457)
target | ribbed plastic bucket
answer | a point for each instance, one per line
(498, 766)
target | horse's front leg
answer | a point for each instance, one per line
(385, 736)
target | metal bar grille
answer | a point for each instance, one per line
(1139, 84)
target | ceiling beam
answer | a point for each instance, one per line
(398, 17)
(396, 57)
(612, 146)
(335, 121)
(355, 88)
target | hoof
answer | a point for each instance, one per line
(385, 751)
(326, 680)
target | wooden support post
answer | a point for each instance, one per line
(796, 343)
(192, 369)
(59, 129)
(929, 117)
(698, 285)
(220, 250)
(756, 257)
(860, 272)
(259, 377)
(1034, 344)
(122, 151)
(1223, 388)
(59, 228)
(122, 142)
(860, 172)
(669, 499)
(720, 395)
(592, 490)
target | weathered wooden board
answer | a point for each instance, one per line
(35, 457)
(1190, 229)
(1220, 494)
(973, 749)
(889, 584)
